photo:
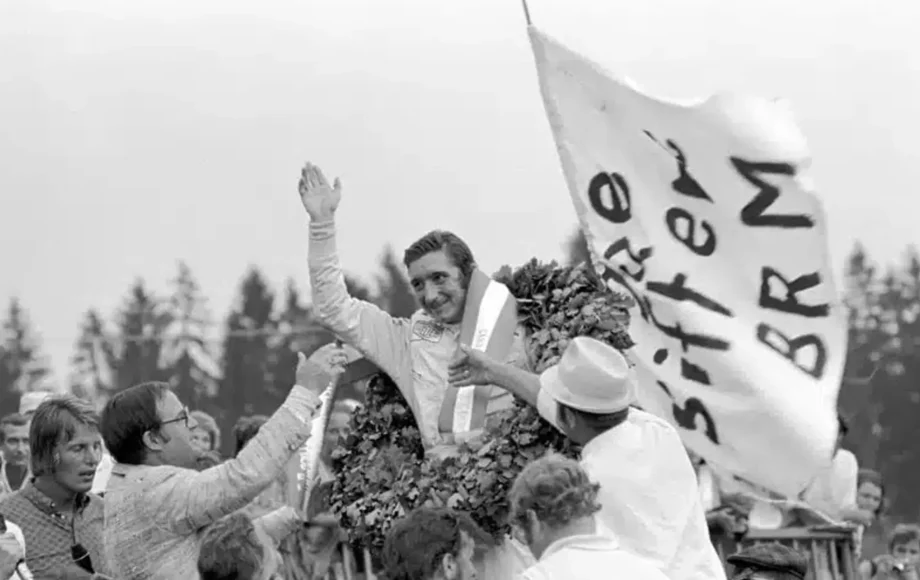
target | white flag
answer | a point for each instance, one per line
(704, 213)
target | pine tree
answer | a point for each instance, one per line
(22, 365)
(900, 401)
(139, 340)
(246, 386)
(396, 296)
(186, 354)
(92, 377)
(867, 342)
(296, 331)
(358, 289)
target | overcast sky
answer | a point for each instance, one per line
(137, 133)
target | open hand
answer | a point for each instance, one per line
(318, 197)
(470, 367)
(323, 366)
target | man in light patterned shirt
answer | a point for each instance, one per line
(157, 505)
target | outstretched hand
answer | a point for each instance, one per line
(318, 197)
(470, 367)
(324, 365)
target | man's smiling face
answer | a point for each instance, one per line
(438, 286)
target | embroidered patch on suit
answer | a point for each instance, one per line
(427, 331)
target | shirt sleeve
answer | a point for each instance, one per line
(379, 336)
(846, 471)
(191, 500)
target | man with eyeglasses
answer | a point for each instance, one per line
(157, 505)
(771, 561)
(61, 522)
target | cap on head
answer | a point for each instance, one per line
(592, 377)
(773, 557)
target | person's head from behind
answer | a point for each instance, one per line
(245, 429)
(337, 428)
(14, 435)
(431, 544)
(870, 491)
(206, 435)
(772, 561)
(233, 548)
(65, 444)
(147, 425)
(593, 387)
(440, 265)
(904, 544)
(552, 498)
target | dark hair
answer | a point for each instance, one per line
(127, 416)
(230, 550)
(556, 489)
(54, 422)
(903, 534)
(596, 423)
(245, 429)
(13, 420)
(416, 544)
(436, 240)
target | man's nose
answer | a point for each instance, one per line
(430, 292)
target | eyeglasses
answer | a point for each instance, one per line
(183, 417)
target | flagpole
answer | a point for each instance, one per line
(526, 12)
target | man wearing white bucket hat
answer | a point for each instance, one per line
(649, 496)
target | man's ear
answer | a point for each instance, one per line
(449, 568)
(533, 524)
(565, 419)
(153, 441)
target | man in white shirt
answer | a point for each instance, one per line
(553, 504)
(833, 492)
(648, 490)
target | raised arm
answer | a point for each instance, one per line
(194, 500)
(379, 336)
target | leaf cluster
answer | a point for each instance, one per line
(382, 472)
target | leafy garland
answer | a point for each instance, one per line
(382, 472)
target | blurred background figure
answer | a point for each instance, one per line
(14, 462)
(901, 561)
(206, 437)
(206, 434)
(871, 498)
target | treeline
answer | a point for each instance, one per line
(245, 364)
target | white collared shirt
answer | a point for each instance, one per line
(587, 557)
(834, 490)
(649, 495)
